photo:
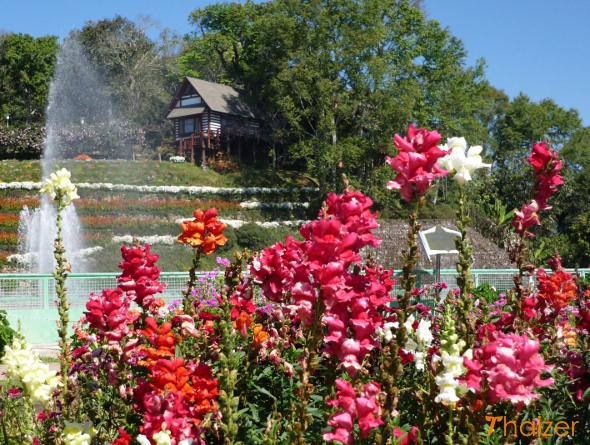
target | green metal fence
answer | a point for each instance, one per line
(501, 279)
(30, 299)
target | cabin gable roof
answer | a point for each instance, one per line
(216, 97)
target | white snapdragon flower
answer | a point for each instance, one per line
(419, 340)
(59, 186)
(461, 160)
(78, 433)
(387, 331)
(423, 333)
(447, 381)
(24, 364)
(447, 385)
(143, 440)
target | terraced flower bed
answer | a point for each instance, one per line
(113, 214)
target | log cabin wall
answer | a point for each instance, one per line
(210, 118)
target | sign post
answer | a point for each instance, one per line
(438, 241)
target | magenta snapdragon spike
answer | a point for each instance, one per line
(507, 367)
(547, 166)
(361, 408)
(298, 274)
(416, 162)
(109, 314)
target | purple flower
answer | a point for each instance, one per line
(222, 261)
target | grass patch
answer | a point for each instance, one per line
(178, 257)
(156, 173)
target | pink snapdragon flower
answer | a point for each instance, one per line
(547, 166)
(509, 366)
(526, 217)
(301, 274)
(110, 315)
(416, 162)
(362, 408)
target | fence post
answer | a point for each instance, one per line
(45, 282)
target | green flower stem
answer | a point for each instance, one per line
(518, 293)
(4, 434)
(449, 436)
(188, 301)
(391, 368)
(229, 360)
(229, 363)
(465, 284)
(63, 306)
(308, 362)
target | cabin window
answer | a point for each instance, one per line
(186, 101)
(188, 125)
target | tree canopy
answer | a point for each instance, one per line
(338, 79)
(138, 71)
(26, 67)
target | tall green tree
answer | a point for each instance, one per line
(26, 68)
(522, 123)
(139, 71)
(339, 78)
(572, 209)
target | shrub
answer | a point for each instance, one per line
(253, 236)
(486, 292)
(21, 143)
(221, 163)
(6, 332)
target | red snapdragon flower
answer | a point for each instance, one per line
(140, 275)
(406, 438)
(123, 439)
(416, 162)
(547, 166)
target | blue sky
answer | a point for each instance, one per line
(539, 47)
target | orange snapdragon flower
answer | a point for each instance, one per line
(162, 340)
(558, 289)
(172, 375)
(203, 232)
(260, 335)
(242, 323)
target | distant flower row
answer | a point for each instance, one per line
(237, 223)
(191, 190)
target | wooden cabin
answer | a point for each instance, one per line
(210, 118)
